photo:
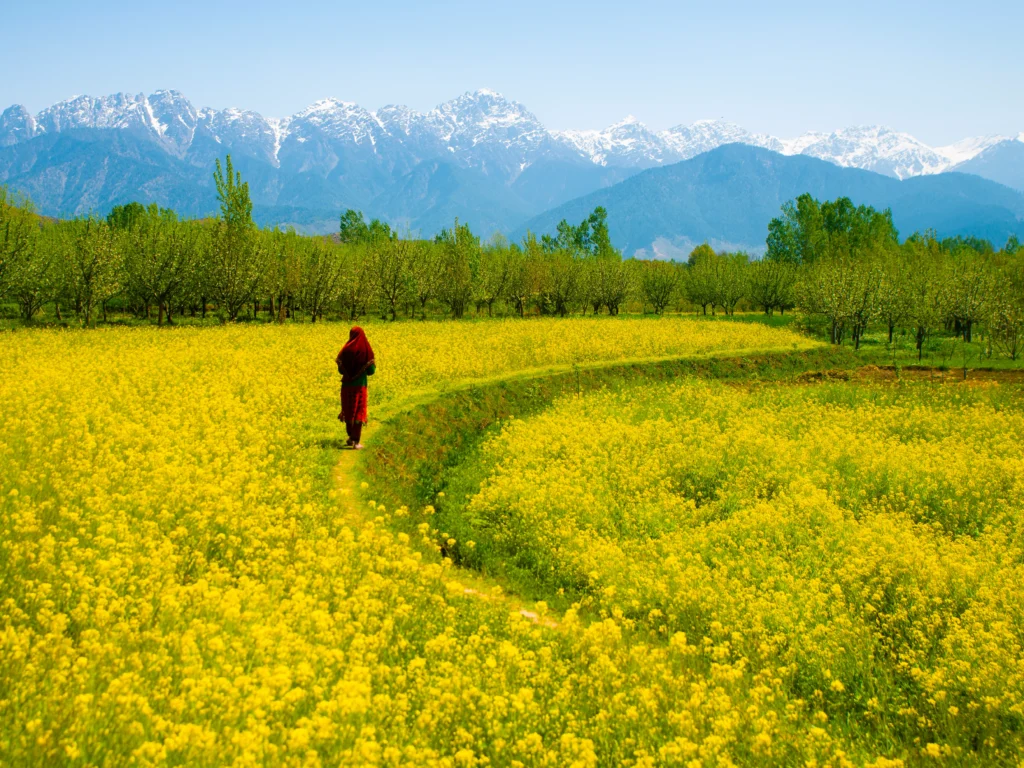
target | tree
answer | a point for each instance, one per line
(561, 281)
(617, 282)
(893, 299)
(798, 236)
(160, 254)
(1006, 323)
(131, 215)
(354, 229)
(355, 281)
(496, 263)
(771, 284)
(968, 287)
(237, 258)
(925, 289)
(809, 230)
(525, 273)
(424, 274)
(19, 231)
(389, 271)
(285, 272)
(35, 276)
(659, 282)
(91, 266)
(782, 240)
(459, 256)
(322, 275)
(842, 291)
(700, 277)
(730, 279)
(589, 237)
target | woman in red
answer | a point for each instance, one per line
(355, 364)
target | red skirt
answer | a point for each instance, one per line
(353, 405)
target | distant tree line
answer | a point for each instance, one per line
(852, 271)
(841, 263)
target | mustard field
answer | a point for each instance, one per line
(846, 560)
(178, 587)
(758, 574)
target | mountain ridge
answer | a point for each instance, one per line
(169, 115)
(728, 195)
(490, 155)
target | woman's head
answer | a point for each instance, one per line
(355, 333)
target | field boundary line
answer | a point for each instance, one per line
(350, 469)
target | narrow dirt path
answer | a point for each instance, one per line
(352, 504)
(352, 509)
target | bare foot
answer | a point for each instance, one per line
(358, 447)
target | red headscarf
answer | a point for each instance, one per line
(355, 357)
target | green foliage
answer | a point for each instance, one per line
(237, 263)
(659, 284)
(132, 215)
(772, 285)
(19, 231)
(809, 230)
(91, 266)
(841, 264)
(354, 228)
(459, 267)
(233, 195)
(588, 238)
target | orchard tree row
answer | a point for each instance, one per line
(853, 272)
(841, 263)
(150, 263)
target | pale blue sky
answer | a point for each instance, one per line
(939, 70)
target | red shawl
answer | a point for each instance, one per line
(355, 357)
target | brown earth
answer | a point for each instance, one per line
(915, 373)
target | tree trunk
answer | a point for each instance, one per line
(160, 315)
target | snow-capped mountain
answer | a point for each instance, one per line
(704, 135)
(963, 150)
(484, 117)
(873, 148)
(474, 123)
(480, 150)
(628, 142)
(16, 124)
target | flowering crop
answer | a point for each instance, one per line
(858, 545)
(177, 586)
